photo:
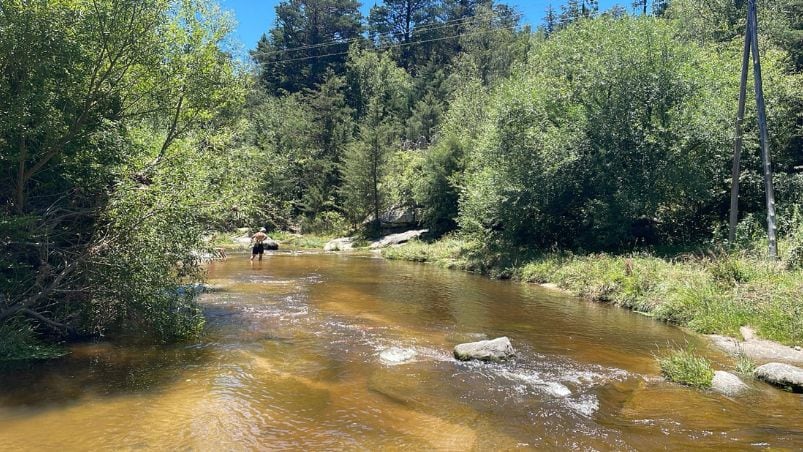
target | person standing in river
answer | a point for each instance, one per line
(258, 241)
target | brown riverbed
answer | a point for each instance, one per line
(301, 352)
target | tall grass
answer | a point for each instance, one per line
(684, 367)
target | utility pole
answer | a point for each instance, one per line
(737, 143)
(751, 46)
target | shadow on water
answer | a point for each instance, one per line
(99, 369)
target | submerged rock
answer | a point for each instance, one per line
(727, 383)
(341, 244)
(397, 355)
(494, 350)
(784, 375)
(398, 239)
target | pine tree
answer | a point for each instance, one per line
(550, 20)
(298, 50)
(641, 4)
(394, 23)
(364, 165)
(424, 121)
(659, 7)
(570, 12)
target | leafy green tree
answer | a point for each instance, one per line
(444, 163)
(102, 98)
(492, 49)
(373, 76)
(621, 123)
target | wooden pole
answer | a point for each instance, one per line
(763, 133)
(737, 143)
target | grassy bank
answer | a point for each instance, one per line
(715, 293)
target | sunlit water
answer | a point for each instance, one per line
(334, 352)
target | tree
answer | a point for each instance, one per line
(494, 46)
(641, 5)
(424, 121)
(612, 107)
(364, 166)
(310, 37)
(550, 20)
(104, 98)
(394, 22)
(379, 90)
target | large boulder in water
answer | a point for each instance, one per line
(783, 375)
(494, 350)
(271, 245)
(727, 383)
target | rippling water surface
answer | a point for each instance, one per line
(337, 352)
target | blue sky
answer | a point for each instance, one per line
(255, 17)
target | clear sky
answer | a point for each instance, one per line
(255, 17)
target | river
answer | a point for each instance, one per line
(304, 351)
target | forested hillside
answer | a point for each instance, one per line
(598, 130)
(129, 130)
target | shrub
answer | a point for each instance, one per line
(684, 367)
(19, 342)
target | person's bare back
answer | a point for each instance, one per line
(258, 240)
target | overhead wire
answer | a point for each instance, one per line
(424, 28)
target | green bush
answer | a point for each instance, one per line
(616, 135)
(18, 342)
(684, 367)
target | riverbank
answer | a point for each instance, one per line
(712, 294)
(240, 239)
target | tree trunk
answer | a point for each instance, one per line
(19, 194)
(375, 185)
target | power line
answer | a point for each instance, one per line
(424, 28)
(387, 47)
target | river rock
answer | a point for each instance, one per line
(758, 349)
(341, 244)
(271, 245)
(398, 239)
(397, 355)
(727, 383)
(780, 374)
(494, 350)
(242, 240)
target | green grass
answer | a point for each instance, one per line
(684, 367)
(745, 365)
(709, 293)
(17, 342)
(300, 242)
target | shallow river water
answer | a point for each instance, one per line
(335, 352)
